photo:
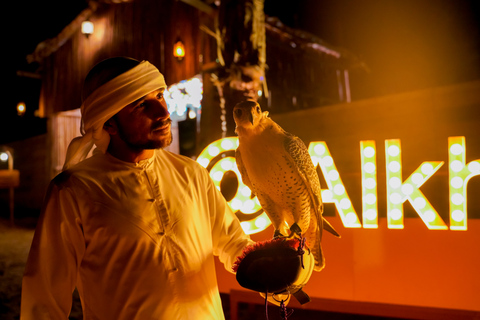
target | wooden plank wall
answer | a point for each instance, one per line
(142, 29)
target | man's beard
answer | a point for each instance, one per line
(148, 144)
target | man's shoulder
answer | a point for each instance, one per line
(89, 168)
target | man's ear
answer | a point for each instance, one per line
(111, 126)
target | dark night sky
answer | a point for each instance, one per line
(408, 44)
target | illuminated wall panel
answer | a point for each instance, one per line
(458, 175)
(336, 192)
(368, 156)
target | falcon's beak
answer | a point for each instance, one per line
(250, 117)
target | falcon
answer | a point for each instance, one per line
(277, 168)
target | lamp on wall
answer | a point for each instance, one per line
(179, 50)
(87, 28)
(21, 108)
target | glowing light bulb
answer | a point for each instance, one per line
(420, 203)
(245, 226)
(370, 183)
(429, 216)
(371, 214)
(227, 144)
(319, 149)
(327, 161)
(394, 182)
(393, 151)
(456, 182)
(339, 189)
(369, 152)
(474, 167)
(333, 175)
(370, 198)
(457, 199)
(217, 175)
(351, 218)
(394, 166)
(226, 164)
(395, 214)
(248, 206)
(203, 161)
(458, 215)
(327, 196)
(369, 167)
(213, 151)
(345, 204)
(236, 204)
(246, 191)
(427, 168)
(417, 178)
(261, 223)
(87, 28)
(456, 149)
(456, 166)
(407, 189)
(396, 198)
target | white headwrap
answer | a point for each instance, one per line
(105, 102)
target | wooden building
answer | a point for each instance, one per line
(302, 71)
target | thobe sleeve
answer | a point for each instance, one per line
(229, 239)
(56, 252)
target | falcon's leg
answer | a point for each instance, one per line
(295, 230)
(278, 234)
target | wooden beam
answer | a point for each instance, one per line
(202, 6)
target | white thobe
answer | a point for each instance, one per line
(137, 240)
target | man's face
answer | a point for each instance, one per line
(145, 123)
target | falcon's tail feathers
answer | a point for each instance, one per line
(328, 227)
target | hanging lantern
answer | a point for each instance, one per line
(179, 50)
(21, 109)
(87, 28)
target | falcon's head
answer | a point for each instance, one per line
(248, 115)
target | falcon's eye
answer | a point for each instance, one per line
(258, 109)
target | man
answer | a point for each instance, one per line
(135, 228)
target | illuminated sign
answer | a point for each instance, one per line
(219, 158)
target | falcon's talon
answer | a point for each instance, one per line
(295, 230)
(278, 234)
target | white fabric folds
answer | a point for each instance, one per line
(107, 101)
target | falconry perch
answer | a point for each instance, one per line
(276, 166)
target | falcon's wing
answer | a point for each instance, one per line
(298, 152)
